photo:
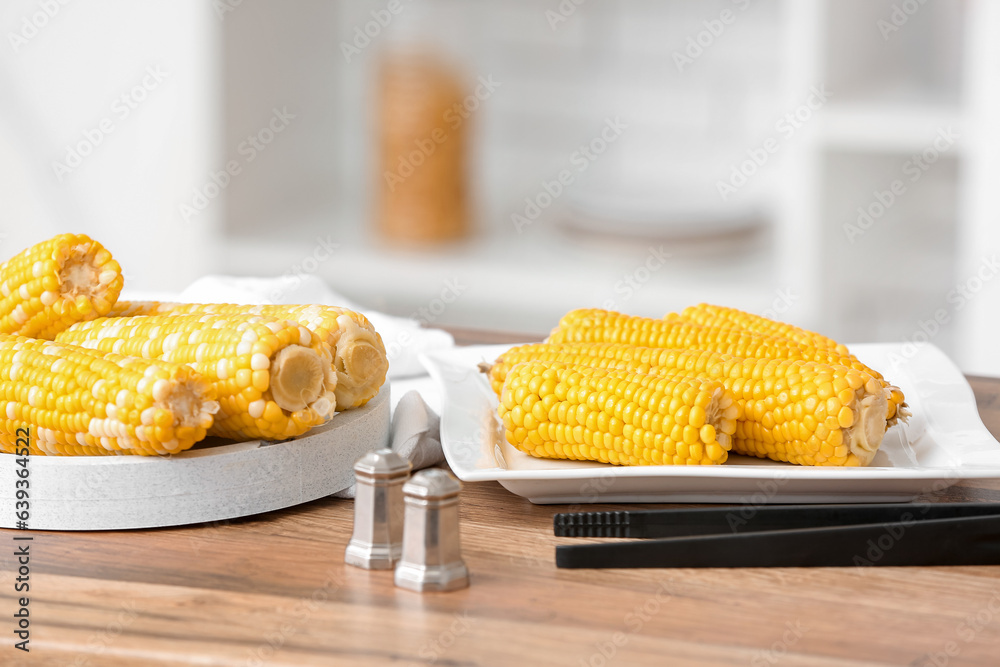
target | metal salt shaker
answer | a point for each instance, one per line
(377, 541)
(432, 558)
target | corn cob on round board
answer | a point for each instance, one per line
(52, 284)
(213, 481)
(274, 378)
(359, 356)
(155, 386)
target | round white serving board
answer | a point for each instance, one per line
(207, 484)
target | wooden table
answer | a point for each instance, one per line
(273, 590)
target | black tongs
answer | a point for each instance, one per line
(786, 536)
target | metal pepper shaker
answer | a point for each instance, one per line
(377, 540)
(432, 551)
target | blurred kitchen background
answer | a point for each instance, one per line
(493, 164)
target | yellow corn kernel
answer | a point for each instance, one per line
(721, 316)
(91, 414)
(359, 356)
(604, 326)
(791, 433)
(281, 364)
(569, 432)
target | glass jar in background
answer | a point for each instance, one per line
(422, 142)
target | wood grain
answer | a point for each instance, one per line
(273, 590)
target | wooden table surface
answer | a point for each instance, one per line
(273, 590)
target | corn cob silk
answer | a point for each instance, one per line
(359, 356)
(274, 378)
(53, 284)
(569, 411)
(73, 400)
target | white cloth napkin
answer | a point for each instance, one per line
(415, 435)
(415, 430)
(404, 338)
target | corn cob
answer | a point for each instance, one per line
(273, 377)
(359, 355)
(53, 284)
(720, 316)
(788, 410)
(564, 411)
(709, 315)
(72, 400)
(603, 326)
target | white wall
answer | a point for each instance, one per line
(134, 88)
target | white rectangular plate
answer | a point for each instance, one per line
(944, 442)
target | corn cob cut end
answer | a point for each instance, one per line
(360, 361)
(298, 380)
(864, 436)
(89, 282)
(187, 406)
(51, 285)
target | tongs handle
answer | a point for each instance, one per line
(951, 541)
(747, 518)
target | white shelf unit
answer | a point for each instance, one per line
(906, 270)
(890, 98)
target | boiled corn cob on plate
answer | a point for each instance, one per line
(943, 442)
